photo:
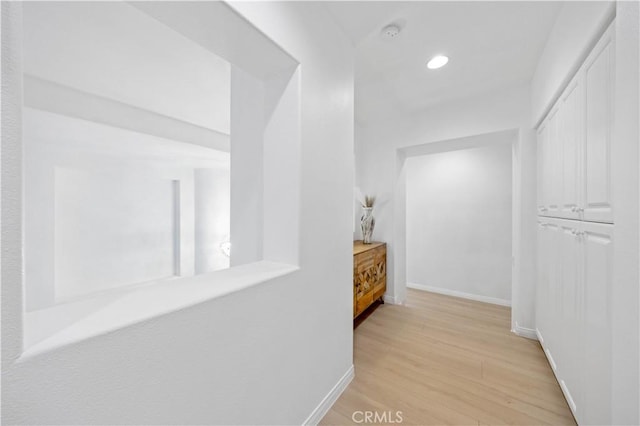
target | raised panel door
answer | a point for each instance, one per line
(554, 289)
(541, 146)
(572, 108)
(596, 364)
(598, 80)
(553, 165)
(542, 284)
(568, 351)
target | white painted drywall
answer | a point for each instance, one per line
(265, 167)
(625, 156)
(106, 234)
(116, 84)
(380, 171)
(281, 157)
(212, 196)
(577, 28)
(108, 207)
(267, 354)
(11, 180)
(65, 100)
(166, 73)
(247, 124)
(459, 221)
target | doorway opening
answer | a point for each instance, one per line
(456, 209)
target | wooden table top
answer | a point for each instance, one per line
(360, 247)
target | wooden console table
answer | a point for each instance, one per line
(369, 274)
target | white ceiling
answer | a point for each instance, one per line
(491, 46)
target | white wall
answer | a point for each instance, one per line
(459, 221)
(574, 33)
(247, 168)
(380, 172)
(108, 207)
(267, 354)
(212, 188)
(105, 88)
(166, 73)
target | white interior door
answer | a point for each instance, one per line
(572, 108)
(597, 271)
(541, 146)
(553, 164)
(554, 271)
(568, 352)
(598, 74)
(542, 288)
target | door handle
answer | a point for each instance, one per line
(577, 234)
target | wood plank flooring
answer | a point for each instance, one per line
(445, 360)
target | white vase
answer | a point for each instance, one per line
(367, 223)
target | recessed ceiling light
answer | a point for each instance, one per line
(437, 62)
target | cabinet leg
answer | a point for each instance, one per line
(381, 300)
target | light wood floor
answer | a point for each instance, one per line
(445, 360)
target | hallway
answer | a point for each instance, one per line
(199, 197)
(445, 360)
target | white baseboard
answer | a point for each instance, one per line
(554, 368)
(390, 300)
(529, 333)
(327, 402)
(446, 292)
